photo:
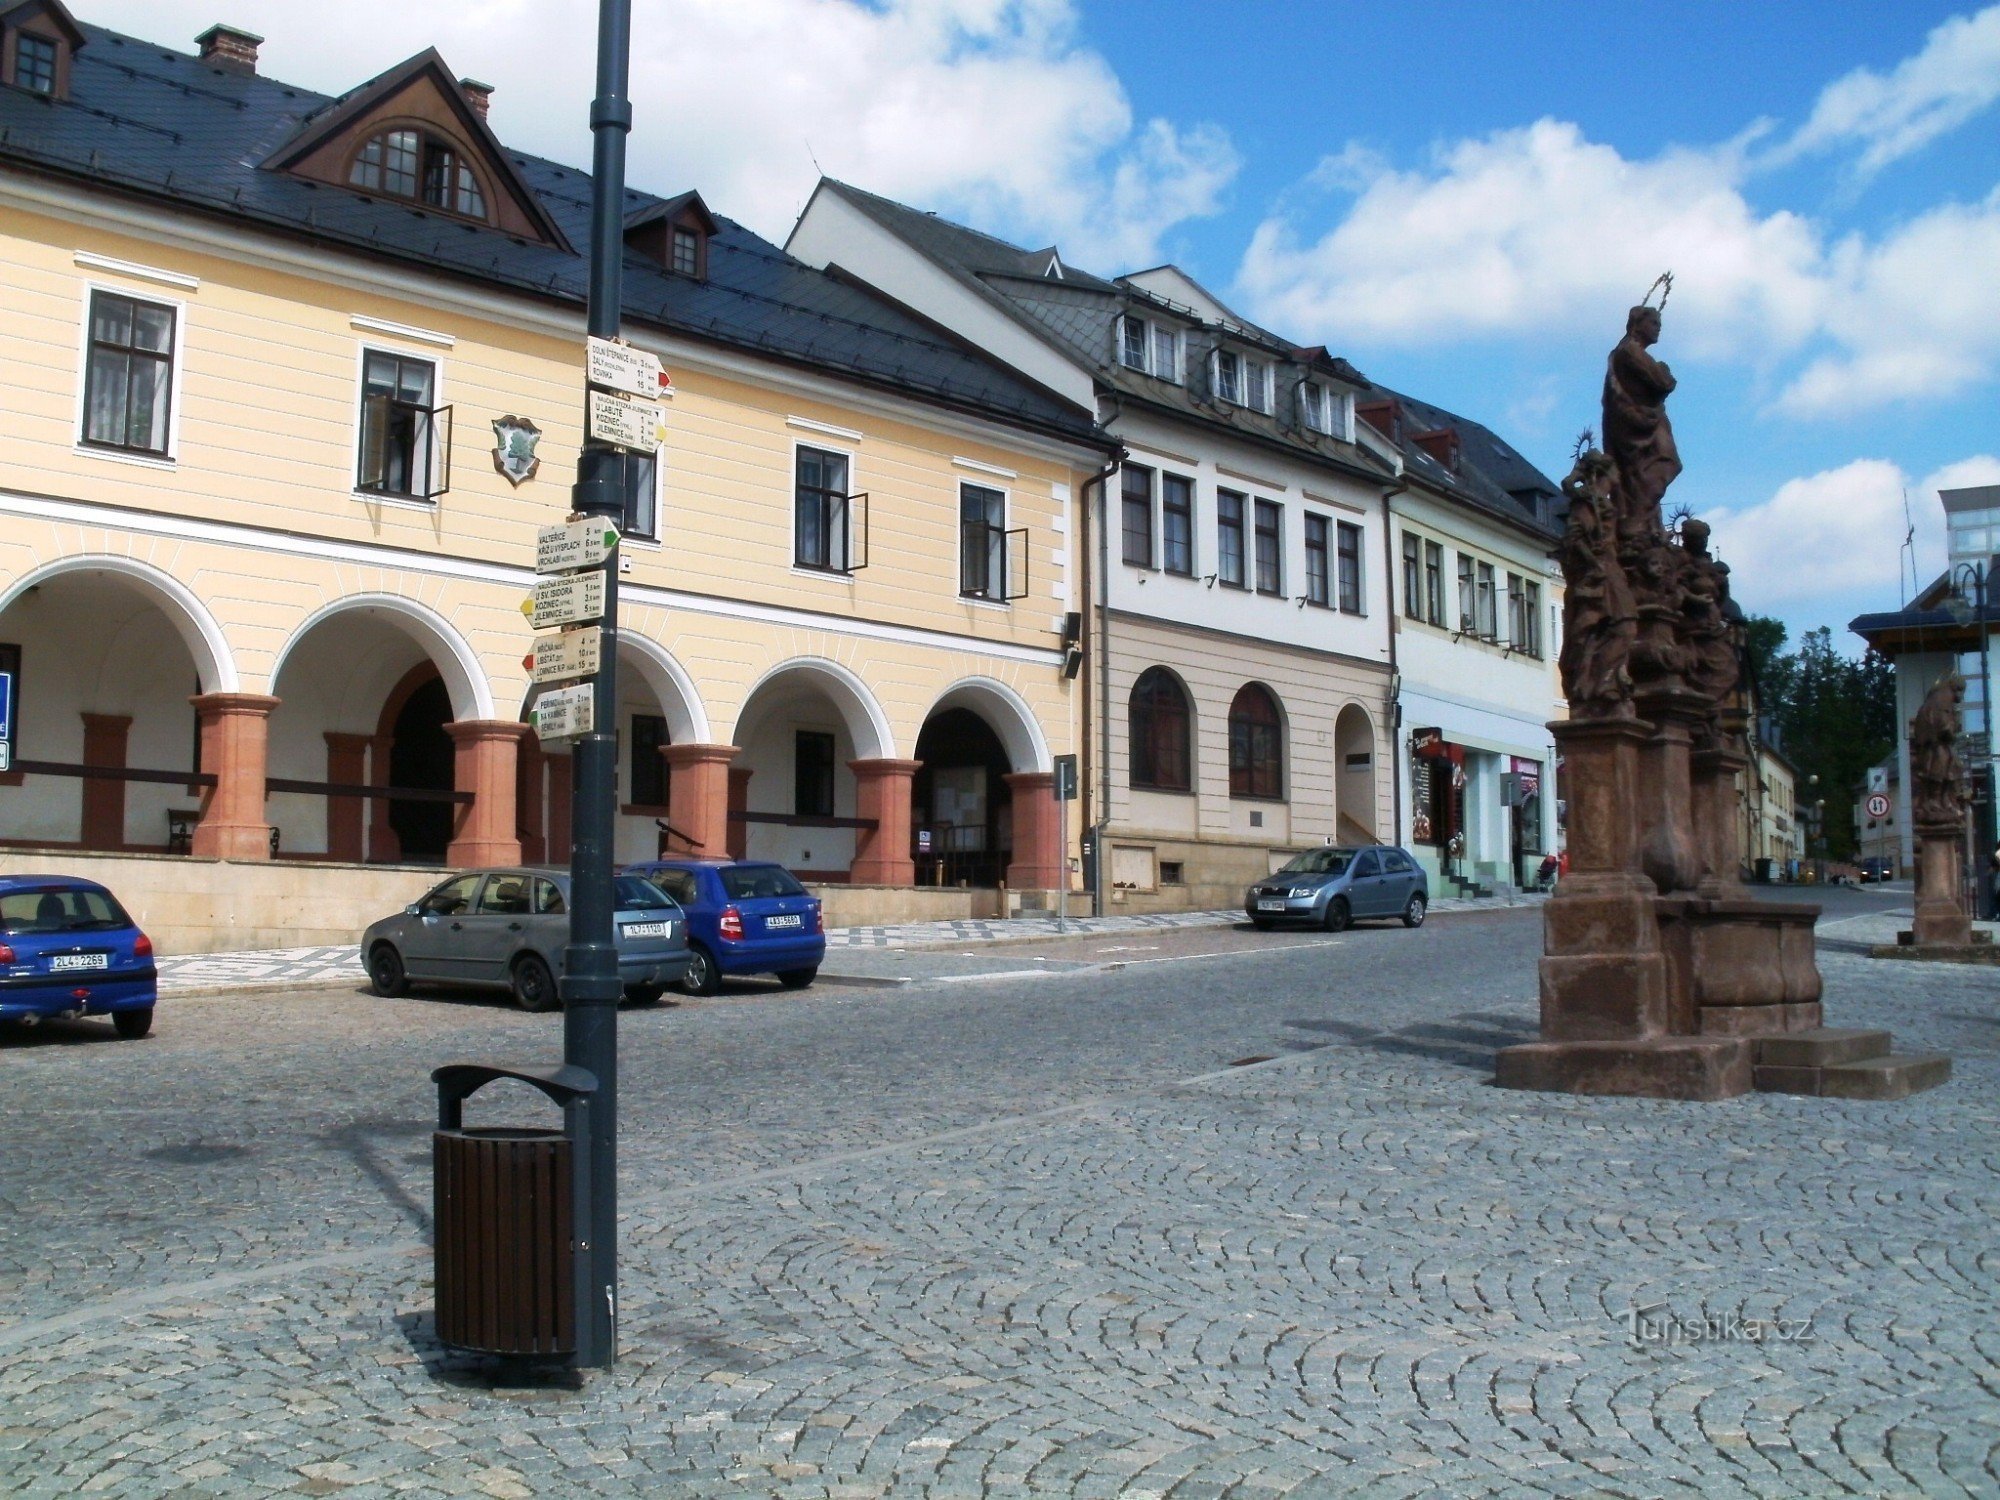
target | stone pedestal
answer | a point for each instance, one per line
(483, 765)
(698, 795)
(1667, 851)
(882, 792)
(1941, 920)
(1713, 773)
(235, 746)
(1608, 1025)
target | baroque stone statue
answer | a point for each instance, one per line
(1637, 434)
(1938, 784)
(1600, 621)
(1713, 662)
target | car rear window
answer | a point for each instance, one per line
(750, 882)
(680, 884)
(636, 894)
(60, 911)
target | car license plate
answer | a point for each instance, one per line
(649, 929)
(63, 962)
(792, 921)
(1270, 906)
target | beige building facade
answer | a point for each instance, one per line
(262, 575)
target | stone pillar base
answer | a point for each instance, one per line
(484, 751)
(1673, 1067)
(1941, 921)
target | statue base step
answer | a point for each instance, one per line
(1668, 1067)
(1979, 950)
(1844, 1063)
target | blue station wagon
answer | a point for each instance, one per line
(1332, 887)
(67, 948)
(744, 917)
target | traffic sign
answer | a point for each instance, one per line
(578, 544)
(1878, 806)
(573, 653)
(565, 713)
(573, 599)
(624, 423)
(620, 367)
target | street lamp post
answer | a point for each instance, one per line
(1978, 872)
(590, 985)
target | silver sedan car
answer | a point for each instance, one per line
(507, 929)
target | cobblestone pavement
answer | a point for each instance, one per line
(1035, 1236)
(214, 973)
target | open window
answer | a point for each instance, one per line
(405, 434)
(829, 522)
(992, 561)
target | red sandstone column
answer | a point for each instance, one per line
(698, 799)
(383, 846)
(235, 748)
(1038, 863)
(484, 766)
(346, 765)
(882, 792)
(105, 737)
(737, 841)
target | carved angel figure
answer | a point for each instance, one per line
(1712, 663)
(1600, 621)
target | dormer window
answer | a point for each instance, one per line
(34, 63)
(37, 41)
(1151, 348)
(408, 163)
(687, 252)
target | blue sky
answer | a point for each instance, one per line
(1460, 198)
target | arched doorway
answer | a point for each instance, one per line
(103, 655)
(961, 807)
(421, 758)
(382, 740)
(1357, 820)
(983, 811)
(794, 794)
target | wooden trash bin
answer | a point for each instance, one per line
(506, 1259)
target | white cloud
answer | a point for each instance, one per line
(1538, 229)
(1954, 78)
(1837, 535)
(1542, 232)
(992, 109)
(1913, 315)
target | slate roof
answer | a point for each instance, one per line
(147, 121)
(1076, 312)
(1491, 476)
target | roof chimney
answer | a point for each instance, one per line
(478, 95)
(229, 47)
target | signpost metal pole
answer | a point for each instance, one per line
(590, 987)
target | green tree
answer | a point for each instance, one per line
(1835, 714)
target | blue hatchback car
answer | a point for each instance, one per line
(744, 917)
(67, 948)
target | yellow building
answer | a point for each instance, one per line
(262, 355)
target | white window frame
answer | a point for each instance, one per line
(1257, 379)
(1314, 413)
(425, 352)
(1165, 351)
(175, 385)
(1126, 325)
(829, 575)
(990, 599)
(1234, 396)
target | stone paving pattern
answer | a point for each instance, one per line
(1032, 1236)
(214, 973)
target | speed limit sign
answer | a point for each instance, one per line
(1878, 806)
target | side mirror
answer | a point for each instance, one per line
(410, 910)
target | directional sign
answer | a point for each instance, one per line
(620, 367)
(580, 544)
(1878, 806)
(565, 713)
(574, 599)
(624, 423)
(574, 653)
